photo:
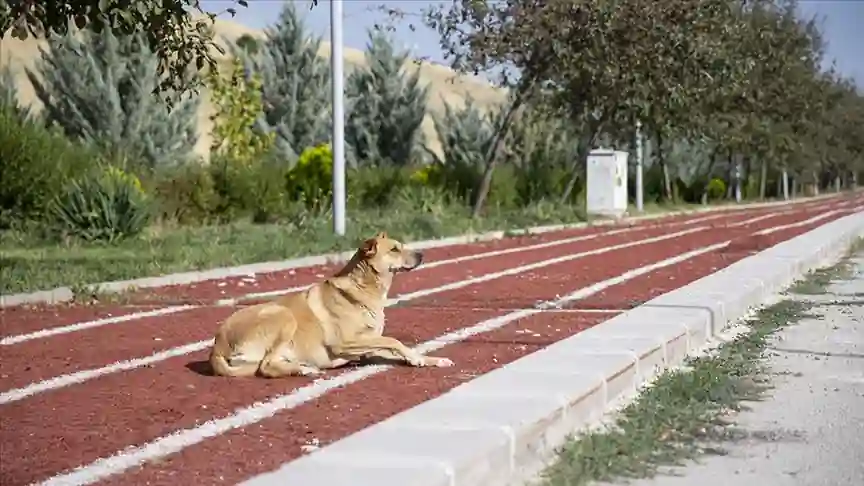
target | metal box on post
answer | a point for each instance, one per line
(606, 183)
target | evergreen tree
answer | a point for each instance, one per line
(295, 84)
(98, 87)
(388, 106)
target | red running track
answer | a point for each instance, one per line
(30, 318)
(53, 431)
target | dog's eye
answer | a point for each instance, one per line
(395, 249)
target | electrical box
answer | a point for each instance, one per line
(606, 183)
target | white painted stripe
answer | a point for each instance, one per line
(84, 375)
(19, 338)
(806, 222)
(181, 439)
(53, 331)
(81, 376)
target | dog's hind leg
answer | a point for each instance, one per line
(279, 362)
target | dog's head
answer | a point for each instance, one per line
(387, 255)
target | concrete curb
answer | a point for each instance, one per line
(65, 294)
(503, 425)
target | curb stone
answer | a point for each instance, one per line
(65, 294)
(500, 428)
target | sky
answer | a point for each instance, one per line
(842, 24)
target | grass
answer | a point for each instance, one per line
(29, 263)
(687, 412)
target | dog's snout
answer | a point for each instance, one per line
(418, 257)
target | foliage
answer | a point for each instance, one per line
(739, 82)
(35, 162)
(388, 107)
(98, 88)
(716, 188)
(183, 43)
(106, 206)
(310, 181)
(237, 105)
(295, 85)
(184, 194)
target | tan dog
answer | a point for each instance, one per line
(326, 326)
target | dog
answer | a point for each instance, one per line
(332, 323)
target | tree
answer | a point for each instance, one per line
(98, 88)
(388, 106)
(182, 43)
(295, 85)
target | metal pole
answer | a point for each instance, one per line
(336, 60)
(639, 161)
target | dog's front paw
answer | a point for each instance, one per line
(439, 362)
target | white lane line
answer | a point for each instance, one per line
(181, 439)
(51, 331)
(806, 222)
(81, 376)
(80, 326)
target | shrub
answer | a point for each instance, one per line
(108, 206)
(715, 189)
(310, 181)
(466, 135)
(540, 151)
(99, 88)
(237, 105)
(184, 194)
(376, 186)
(35, 163)
(388, 107)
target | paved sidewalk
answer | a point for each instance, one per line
(809, 431)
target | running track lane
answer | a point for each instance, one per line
(263, 446)
(51, 358)
(27, 318)
(41, 359)
(143, 404)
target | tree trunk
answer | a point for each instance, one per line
(581, 157)
(492, 155)
(664, 168)
(730, 173)
(763, 180)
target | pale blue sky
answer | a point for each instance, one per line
(843, 25)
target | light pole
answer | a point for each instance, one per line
(337, 83)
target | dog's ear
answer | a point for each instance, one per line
(369, 247)
(382, 235)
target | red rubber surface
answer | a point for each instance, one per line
(58, 430)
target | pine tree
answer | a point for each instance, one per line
(295, 84)
(98, 87)
(388, 106)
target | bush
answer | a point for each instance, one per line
(310, 182)
(35, 163)
(715, 189)
(184, 194)
(376, 186)
(106, 206)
